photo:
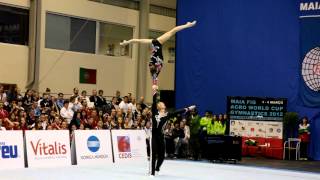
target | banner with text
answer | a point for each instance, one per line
(11, 150)
(255, 108)
(48, 148)
(93, 147)
(129, 146)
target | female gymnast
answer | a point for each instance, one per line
(156, 60)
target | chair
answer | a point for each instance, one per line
(292, 144)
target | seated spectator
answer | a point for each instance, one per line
(124, 105)
(3, 96)
(95, 99)
(126, 124)
(76, 94)
(66, 112)
(90, 124)
(86, 98)
(114, 104)
(45, 103)
(28, 99)
(168, 135)
(120, 123)
(60, 101)
(118, 97)
(75, 106)
(178, 135)
(142, 104)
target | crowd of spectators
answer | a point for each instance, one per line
(32, 111)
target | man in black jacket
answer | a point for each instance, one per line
(159, 118)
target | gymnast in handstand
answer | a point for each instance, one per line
(156, 60)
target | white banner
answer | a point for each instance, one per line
(11, 150)
(129, 146)
(48, 148)
(93, 147)
(264, 129)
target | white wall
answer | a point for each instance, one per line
(14, 58)
(59, 70)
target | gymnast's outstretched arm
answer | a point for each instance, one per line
(142, 41)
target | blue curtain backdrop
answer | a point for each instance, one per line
(241, 48)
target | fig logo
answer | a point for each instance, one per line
(43, 148)
(311, 69)
(93, 144)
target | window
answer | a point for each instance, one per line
(69, 33)
(110, 37)
(14, 25)
(169, 47)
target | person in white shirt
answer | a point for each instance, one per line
(84, 97)
(133, 105)
(66, 112)
(73, 105)
(124, 106)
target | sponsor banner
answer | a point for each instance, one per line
(48, 148)
(93, 147)
(256, 108)
(264, 129)
(129, 146)
(11, 150)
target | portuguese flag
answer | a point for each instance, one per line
(88, 76)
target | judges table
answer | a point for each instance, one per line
(224, 148)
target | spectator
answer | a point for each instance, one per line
(168, 135)
(118, 97)
(76, 94)
(133, 105)
(114, 104)
(3, 96)
(95, 99)
(75, 106)
(66, 112)
(60, 101)
(178, 135)
(86, 98)
(120, 123)
(28, 99)
(217, 127)
(129, 97)
(304, 135)
(142, 104)
(45, 103)
(124, 105)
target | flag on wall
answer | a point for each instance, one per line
(310, 53)
(88, 76)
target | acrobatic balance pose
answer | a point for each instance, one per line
(156, 60)
(159, 119)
